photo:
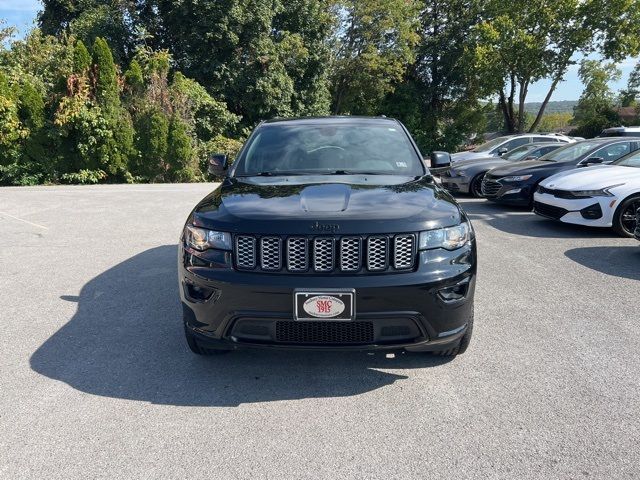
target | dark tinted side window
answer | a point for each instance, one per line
(516, 142)
(545, 139)
(613, 152)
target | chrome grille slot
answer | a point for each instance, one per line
(270, 253)
(377, 253)
(403, 251)
(297, 254)
(490, 187)
(323, 254)
(327, 254)
(350, 254)
(245, 252)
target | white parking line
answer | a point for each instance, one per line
(25, 221)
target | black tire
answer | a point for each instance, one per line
(197, 349)
(462, 345)
(475, 187)
(624, 217)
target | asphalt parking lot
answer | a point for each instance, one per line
(97, 382)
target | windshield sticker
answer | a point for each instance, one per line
(401, 164)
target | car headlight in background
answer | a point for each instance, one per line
(516, 178)
(202, 238)
(603, 192)
(449, 238)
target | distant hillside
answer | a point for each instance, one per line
(564, 106)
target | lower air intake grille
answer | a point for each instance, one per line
(326, 333)
(549, 211)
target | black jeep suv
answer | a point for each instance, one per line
(328, 233)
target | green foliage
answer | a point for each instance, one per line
(630, 97)
(133, 77)
(84, 177)
(106, 77)
(81, 58)
(180, 152)
(374, 43)
(596, 106)
(10, 127)
(152, 135)
(522, 41)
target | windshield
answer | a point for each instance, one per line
(570, 152)
(330, 149)
(632, 160)
(518, 153)
(490, 145)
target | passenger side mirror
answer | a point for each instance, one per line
(440, 160)
(217, 164)
(502, 150)
(592, 161)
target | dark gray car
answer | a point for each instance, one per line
(466, 176)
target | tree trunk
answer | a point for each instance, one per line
(536, 122)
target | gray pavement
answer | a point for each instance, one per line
(97, 382)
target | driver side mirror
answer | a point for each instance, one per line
(217, 164)
(502, 150)
(592, 161)
(440, 159)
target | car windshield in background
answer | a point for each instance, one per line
(490, 145)
(330, 149)
(518, 153)
(632, 160)
(570, 152)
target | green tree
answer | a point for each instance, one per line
(10, 128)
(106, 76)
(436, 99)
(522, 41)
(152, 141)
(81, 58)
(596, 106)
(630, 96)
(180, 158)
(373, 46)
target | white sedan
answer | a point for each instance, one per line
(600, 196)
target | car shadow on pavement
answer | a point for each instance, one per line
(617, 261)
(522, 221)
(126, 341)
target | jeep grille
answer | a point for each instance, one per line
(326, 254)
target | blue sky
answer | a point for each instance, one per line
(22, 14)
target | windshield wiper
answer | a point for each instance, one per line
(351, 172)
(281, 173)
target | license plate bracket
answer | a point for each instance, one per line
(324, 305)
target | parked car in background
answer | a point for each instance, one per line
(328, 233)
(466, 176)
(516, 183)
(620, 132)
(601, 196)
(501, 145)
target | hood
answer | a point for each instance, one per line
(527, 167)
(469, 155)
(489, 162)
(593, 178)
(321, 204)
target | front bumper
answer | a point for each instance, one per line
(593, 211)
(456, 184)
(393, 311)
(510, 193)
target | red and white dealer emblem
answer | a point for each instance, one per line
(324, 306)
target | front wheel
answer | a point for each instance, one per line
(462, 345)
(475, 187)
(624, 219)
